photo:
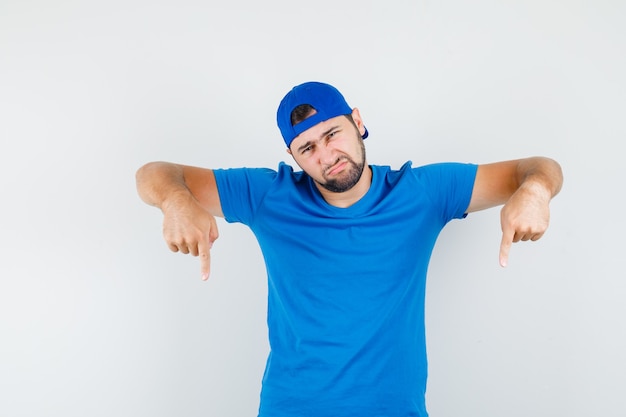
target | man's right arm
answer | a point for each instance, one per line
(189, 200)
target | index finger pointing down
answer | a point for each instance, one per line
(205, 260)
(505, 247)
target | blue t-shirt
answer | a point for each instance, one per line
(346, 285)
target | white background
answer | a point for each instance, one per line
(98, 318)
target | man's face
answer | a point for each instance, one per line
(332, 152)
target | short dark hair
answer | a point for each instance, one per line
(304, 111)
(301, 112)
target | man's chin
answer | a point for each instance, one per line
(339, 185)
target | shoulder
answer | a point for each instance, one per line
(426, 170)
(442, 171)
(258, 177)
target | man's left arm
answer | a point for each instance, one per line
(525, 187)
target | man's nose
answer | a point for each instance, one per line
(327, 154)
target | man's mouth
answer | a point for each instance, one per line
(338, 167)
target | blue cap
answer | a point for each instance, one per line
(324, 98)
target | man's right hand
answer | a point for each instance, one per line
(189, 228)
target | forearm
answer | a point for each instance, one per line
(541, 174)
(159, 181)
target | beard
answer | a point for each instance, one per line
(349, 178)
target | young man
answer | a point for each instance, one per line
(347, 247)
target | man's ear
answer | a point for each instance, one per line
(288, 151)
(356, 116)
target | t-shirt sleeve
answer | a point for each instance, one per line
(241, 191)
(450, 185)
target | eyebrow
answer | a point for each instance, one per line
(323, 135)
